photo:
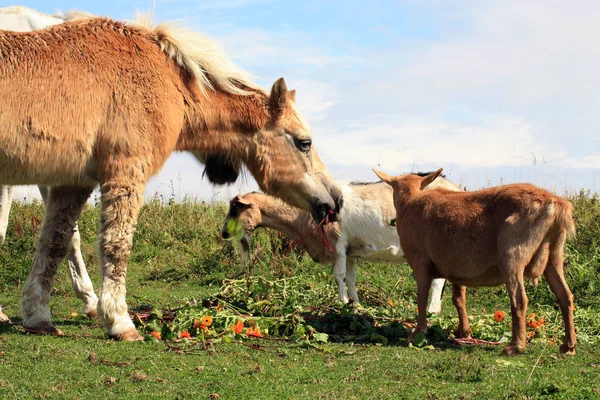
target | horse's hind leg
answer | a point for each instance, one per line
(62, 212)
(554, 274)
(82, 285)
(121, 203)
(6, 197)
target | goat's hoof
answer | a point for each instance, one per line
(131, 335)
(463, 333)
(567, 350)
(44, 328)
(512, 351)
(92, 314)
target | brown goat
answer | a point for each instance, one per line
(503, 234)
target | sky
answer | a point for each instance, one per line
(493, 92)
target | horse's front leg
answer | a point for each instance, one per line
(62, 212)
(121, 203)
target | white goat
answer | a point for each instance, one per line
(364, 231)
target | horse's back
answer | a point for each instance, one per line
(73, 96)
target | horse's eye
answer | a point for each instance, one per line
(303, 144)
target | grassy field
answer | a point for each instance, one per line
(312, 347)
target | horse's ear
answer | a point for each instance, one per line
(383, 176)
(430, 178)
(292, 95)
(278, 99)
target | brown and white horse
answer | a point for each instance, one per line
(96, 101)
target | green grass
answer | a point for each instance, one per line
(178, 256)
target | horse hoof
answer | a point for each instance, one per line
(511, 351)
(131, 335)
(44, 328)
(92, 314)
(567, 350)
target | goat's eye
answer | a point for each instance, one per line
(303, 144)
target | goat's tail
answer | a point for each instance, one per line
(564, 217)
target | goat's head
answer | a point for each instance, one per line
(243, 217)
(407, 185)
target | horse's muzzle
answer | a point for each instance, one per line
(331, 210)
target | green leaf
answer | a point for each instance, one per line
(235, 230)
(321, 337)
(420, 340)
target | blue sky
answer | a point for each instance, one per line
(494, 92)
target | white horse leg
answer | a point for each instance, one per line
(435, 296)
(6, 197)
(121, 204)
(62, 212)
(80, 279)
(351, 279)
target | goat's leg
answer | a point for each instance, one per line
(351, 279)
(518, 309)
(435, 296)
(339, 273)
(554, 274)
(423, 277)
(121, 203)
(62, 212)
(80, 280)
(459, 299)
(6, 197)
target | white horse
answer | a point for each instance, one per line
(23, 19)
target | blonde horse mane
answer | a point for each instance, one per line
(198, 54)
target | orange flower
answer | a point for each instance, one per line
(156, 334)
(206, 320)
(390, 303)
(530, 334)
(531, 316)
(255, 332)
(532, 324)
(238, 327)
(499, 316)
(541, 322)
(185, 334)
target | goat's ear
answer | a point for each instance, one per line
(241, 204)
(383, 176)
(278, 98)
(430, 178)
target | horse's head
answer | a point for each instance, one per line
(293, 171)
